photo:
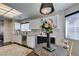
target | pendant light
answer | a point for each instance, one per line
(46, 8)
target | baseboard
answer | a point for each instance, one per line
(21, 45)
(7, 43)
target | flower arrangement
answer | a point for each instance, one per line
(47, 26)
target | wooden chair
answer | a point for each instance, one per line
(68, 44)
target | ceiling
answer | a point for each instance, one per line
(7, 11)
(31, 10)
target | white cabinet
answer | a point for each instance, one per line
(17, 38)
(31, 42)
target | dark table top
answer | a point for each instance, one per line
(59, 51)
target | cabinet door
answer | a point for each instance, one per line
(17, 39)
(31, 41)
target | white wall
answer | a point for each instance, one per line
(16, 37)
(7, 30)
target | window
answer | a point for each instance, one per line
(72, 26)
(25, 27)
(17, 26)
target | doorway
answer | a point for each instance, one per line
(1, 33)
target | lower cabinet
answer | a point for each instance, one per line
(17, 39)
(31, 41)
(43, 39)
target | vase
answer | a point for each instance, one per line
(48, 47)
(48, 40)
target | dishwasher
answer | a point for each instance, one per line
(24, 40)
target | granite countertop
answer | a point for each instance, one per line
(30, 35)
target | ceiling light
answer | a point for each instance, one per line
(8, 11)
(5, 7)
(46, 8)
(2, 12)
(15, 12)
(9, 14)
